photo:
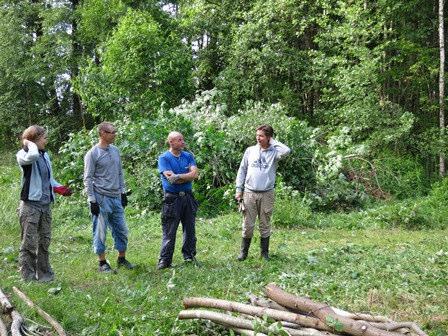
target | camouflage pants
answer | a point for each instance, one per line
(261, 205)
(35, 221)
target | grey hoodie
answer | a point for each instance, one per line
(258, 167)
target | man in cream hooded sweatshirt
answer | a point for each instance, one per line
(255, 184)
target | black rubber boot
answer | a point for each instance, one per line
(264, 245)
(245, 244)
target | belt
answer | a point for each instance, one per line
(180, 193)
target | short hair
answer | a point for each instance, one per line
(267, 130)
(172, 135)
(104, 125)
(33, 133)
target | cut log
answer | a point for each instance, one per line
(247, 332)
(306, 331)
(16, 324)
(219, 318)
(411, 326)
(41, 312)
(361, 316)
(262, 302)
(256, 311)
(325, 314)
(7, 307)
(232, 322)
(3, 330)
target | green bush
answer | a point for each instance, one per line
(217, 142)
(400, 175)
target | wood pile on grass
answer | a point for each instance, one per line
(282, 313)
(13, 323)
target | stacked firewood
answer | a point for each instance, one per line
(292, 315)
(12, 320)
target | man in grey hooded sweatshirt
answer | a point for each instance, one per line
(255, 184)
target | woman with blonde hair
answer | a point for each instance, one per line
(37, 193)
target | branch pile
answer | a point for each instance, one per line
(11, 319)
(286, 314)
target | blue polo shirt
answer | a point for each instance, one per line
(178, 165)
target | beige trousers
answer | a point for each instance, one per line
(261, 205)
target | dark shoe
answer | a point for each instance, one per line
(245, 244)
(29, 277)
(105, 268)
(125, 263)
(47, 277)
(264, 245)
(162, 265)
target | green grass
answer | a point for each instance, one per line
(395, 272)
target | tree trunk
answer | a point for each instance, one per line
(441, 85)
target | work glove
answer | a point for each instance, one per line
(124, 200)
(94, 208)
(63, 190)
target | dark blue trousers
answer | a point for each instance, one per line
(178, 208)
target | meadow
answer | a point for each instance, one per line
(392, 271)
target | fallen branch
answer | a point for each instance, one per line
(325, 314)
(219, 318)
(278, 315)
(6, 305)
(247, 332)
(361, 316)
(306, 331)
(16, 325)
(399, 325)
(41, 312)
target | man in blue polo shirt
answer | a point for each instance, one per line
(177, 170)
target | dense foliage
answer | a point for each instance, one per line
(350, 86)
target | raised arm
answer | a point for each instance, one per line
(282, 149)
(28, 157)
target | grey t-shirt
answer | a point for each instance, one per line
(103, 172)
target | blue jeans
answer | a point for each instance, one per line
(112, 216)
(178, 208)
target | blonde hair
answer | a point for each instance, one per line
(33, 133)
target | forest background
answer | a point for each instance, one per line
(351, 86)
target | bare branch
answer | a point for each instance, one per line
(16, 324)
(6, 305)
(41, 312)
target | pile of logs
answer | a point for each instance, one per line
(13, 321)
(292, 315)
